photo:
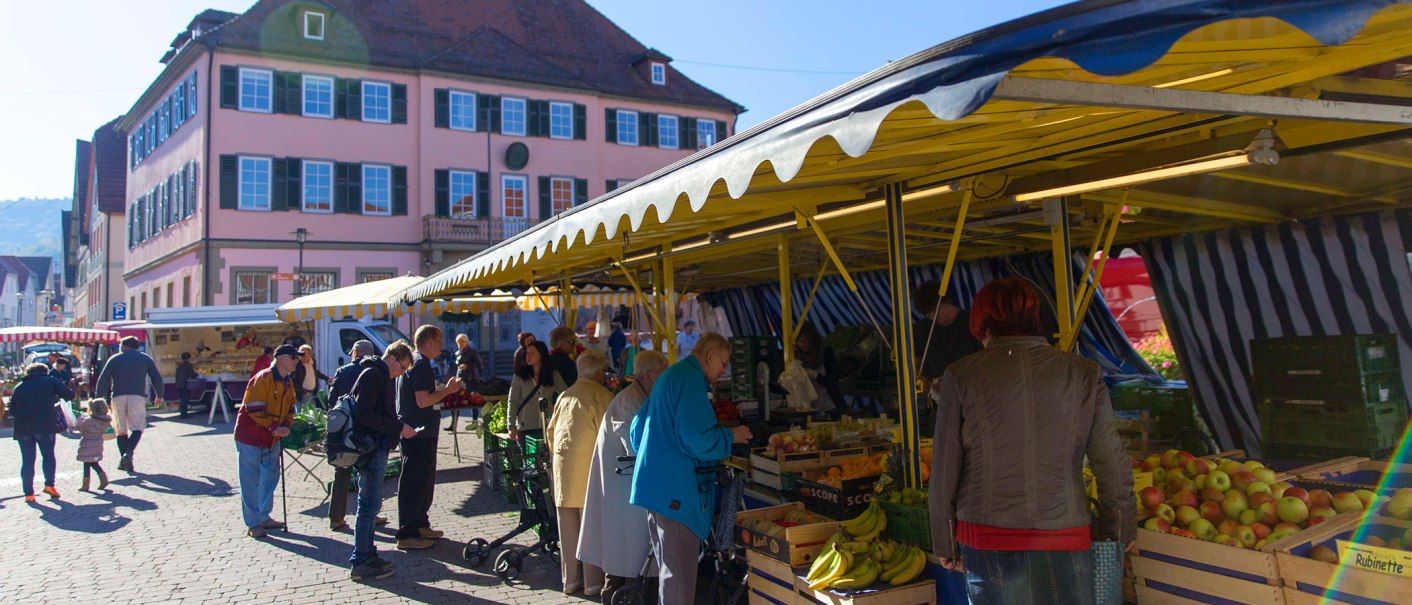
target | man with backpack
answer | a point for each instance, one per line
(343, 381)
(375, 419)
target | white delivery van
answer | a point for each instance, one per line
(225, 341)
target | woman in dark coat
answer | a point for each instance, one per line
(821, 363)
(36, 423)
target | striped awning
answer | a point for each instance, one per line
(83, 336)
(475, 304)
(382, 298)
(588, 297)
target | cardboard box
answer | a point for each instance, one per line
(798, 545)
(846, 501)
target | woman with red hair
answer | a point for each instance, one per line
(1014, 424)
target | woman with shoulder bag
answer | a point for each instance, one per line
(37, 420)
(533, 381)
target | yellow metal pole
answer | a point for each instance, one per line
(659, 333)
(567, 308)
(956, 240)
(803, 317)
(669, 301)
(1089, 293)
(1063, 279)
(786, 299)
(902, 335)
(652, 312)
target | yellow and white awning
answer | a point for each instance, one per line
(588, 297)
(381, 298)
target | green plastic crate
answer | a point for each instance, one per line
(1342, 394)
(300, 437)
(1315, 356)
(1170, 406)
(394, 468)
(908, 524)
(1319, 435)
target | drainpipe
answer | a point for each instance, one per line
(206, 299)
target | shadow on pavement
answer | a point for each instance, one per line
(98, 518)
(180, 486)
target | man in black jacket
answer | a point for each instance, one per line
(342, 384)
(375, 414)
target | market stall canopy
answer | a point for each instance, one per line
(83, 336)
(209, 317)
(588, 297)
(123, 328)
(1097, 94)
(382, 298)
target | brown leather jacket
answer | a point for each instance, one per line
(1014, 424)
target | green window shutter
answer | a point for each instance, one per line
(580, 122)
(493, 116)
(355, 103)
(399, 191)
(687, 133)
(610, 185)
(340, 98)
(230, 86)
(720, 130)
(647, 129)
(482, 195)
(294, 184)
(230, 182)
(610, 120)
(348, 191)
(532, 119)
(443, 193)
(399, 103)
(279, 187)
(580, 191)
(546, 205)
(442, 98)
(544, 118)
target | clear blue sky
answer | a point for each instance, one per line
(69, 66)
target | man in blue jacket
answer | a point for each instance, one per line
(675, 434)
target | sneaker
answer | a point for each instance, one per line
(271, 524)
(53, 493)
(29, 498)
(414, 543)
(256, 532)
(337, 525)
(430, 533)
(381, 563)
(379, 521)
(369, 571)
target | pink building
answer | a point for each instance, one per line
(393, 137)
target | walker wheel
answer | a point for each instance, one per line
(508, 563)
(476, 552)
(631, 594)
(552, 548)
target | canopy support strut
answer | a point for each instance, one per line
(651, 311)
(808, 304)
(1056, 216)
(848, 279)
(1107, 229)
(543, 302)
(786, 300)
(902, 335)
(669, 303)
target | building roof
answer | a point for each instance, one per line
(40, 267)
(110, 157)
(551, 42)
(83, 154)
(67, 227)
(12, 265)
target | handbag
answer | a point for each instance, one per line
(1107, 568)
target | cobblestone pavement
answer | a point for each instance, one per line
(172, 533)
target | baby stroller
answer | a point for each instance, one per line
(529, 471)
(728, 583)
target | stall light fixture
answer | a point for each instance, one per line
(1260, 152)
(1193, 79)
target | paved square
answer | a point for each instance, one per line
(172, 533)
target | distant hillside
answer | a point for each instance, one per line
(30, 227)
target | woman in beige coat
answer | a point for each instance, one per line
(570, 436)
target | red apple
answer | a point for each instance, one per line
(1367, 497)
(1157, 524)
(1320, 515)
(1185, 515)
(1177, 531)
(1347, 502)
(1182, 459)
(1228, 527)
(1211, 494)
(1175, 474)
(1153, 461)
(1320, 497)
(1197, 466)
(1212, 512)
(1165, 512)
(1184, 498)
(1283, 530)
(1257, 498)
(1235, 503)
(1150, 496)
(1246, 535)
(1292, 510)
(1219, 480)
(1242, 479)
(1297, 492)
(1269, 512)
(1169, 459)
(1261, 530)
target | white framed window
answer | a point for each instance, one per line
(254, 183)
(561, 195)
(318, 96)
(512, 116)
(514, 196)
(627, 127)
(463, 110)
(252, 288)
(255, 89)
(705, 133)
(561, 120)
(313, 25)
(659, 73)
(667, 133)
(318, 186)
(377, 102)
(463, 194)
(377, 190)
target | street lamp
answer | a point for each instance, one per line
(301, 235)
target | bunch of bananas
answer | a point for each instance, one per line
(856, 557)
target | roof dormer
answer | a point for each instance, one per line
(652, 65)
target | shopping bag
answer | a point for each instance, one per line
(1107, 572)
(66, 420)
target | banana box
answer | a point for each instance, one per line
(795, 543)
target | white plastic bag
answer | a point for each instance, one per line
(796, 381)
(68, 412)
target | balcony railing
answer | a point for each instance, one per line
(472, 230)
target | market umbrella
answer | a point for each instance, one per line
(64, 335)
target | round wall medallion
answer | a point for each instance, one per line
(516, 156)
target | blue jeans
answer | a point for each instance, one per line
(259, 476)
(370, 478)
(1022, 577)
(28, 445)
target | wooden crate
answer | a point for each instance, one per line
(800, 543)
(1358, 473)
(1307, 580)
(771, 581)
(922, 592)
(767, 470)
(1173, 569)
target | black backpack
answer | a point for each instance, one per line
(338, 441)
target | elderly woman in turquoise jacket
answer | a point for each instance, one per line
(675, 434)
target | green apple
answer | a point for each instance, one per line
(1235, 503)
(1347, 502)
(1249, 516)
(1219, 480)
(1246, 535)
(1292, 510)
(1186, 515)
(1367, 497)
(1257, 487)
(1165, 512)
(1204, 529)
(1200, 482)
(1265, 475)
(1157, 524)
(1400, 508)
(1278, 489)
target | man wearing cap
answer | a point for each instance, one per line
(264, 419)
(343, 381)
(125, 381)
